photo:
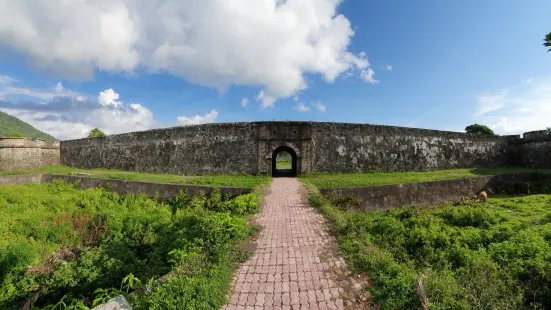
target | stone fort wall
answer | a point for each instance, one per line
(231, 148)
(20, 153)
(533, 150)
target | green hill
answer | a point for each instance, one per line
(12, 126)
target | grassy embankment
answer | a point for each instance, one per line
(216, 180)
(78, 248)
(328, 180)
(494, 256)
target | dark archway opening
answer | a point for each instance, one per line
(284, 162)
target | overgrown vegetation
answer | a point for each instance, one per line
(331, 180)
(494, 256)
(75, 249)
(10, 125)
(243, 180)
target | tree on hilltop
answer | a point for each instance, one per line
(479, 129)
(94, 133)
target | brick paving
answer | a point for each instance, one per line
(295, 265)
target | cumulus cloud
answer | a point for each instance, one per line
(198, 119)
(516, 110)
(389, 68)
(271, 43)
(244, 102)
(109, 97)
(65, 115)
(266, 101)
(301, 107)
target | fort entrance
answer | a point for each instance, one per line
(284, 162)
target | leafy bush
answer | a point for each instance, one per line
(94, 133)
(472, 257)
(77, 248)
(479, 129)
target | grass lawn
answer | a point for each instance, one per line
(328, 180)
(283, 164)
(494, 256)
(78, 248)
(218, 180)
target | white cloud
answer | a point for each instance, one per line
(368, 76)
(71, 117)
(516, 110)
(266, 101)
(43, 94)
(198, 119)
(318, 106)
(109, 97)
(272, 44)
(301, 107)
(389, 68)
(244, 102)
(5, 79)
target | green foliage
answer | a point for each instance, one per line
(10, 125)
(547, 41)
(79, 248)
(495, 256)
(94, 133)
(332, 180)
(479, 129)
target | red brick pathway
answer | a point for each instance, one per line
(295, 265)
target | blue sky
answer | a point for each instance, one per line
(437, 64)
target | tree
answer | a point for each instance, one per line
(479, 129)
(94, 133)
(547, 41)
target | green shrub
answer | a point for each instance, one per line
(79, 247)
(495, 256)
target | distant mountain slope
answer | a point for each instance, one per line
(10, 125)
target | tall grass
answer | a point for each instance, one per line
(495, 256)
(77, 248)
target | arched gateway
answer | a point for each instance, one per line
(284, 172)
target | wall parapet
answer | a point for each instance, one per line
(21, 153)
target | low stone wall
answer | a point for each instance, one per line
(20, 179)
(164, 190)
(124, 187)
(20, 153)
(387, 197)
